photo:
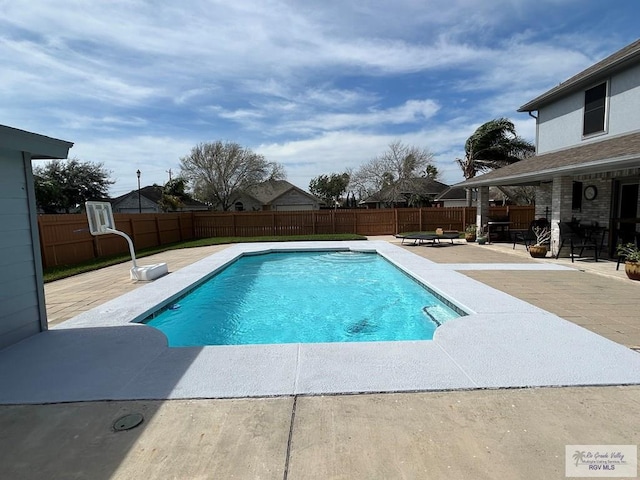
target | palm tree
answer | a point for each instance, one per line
(493, 145)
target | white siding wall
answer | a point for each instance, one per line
(19, 296)
(560, 124)
(625, 98)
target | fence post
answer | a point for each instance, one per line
(420, 220)
(42, 246)
(133, 230)
(313, 221)
(333, 222)
(233, 224)
(158, 236)
(96, 246)
(395, 221)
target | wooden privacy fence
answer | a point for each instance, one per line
(65, 239)
(362, 222)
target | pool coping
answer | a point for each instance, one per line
(504, 342)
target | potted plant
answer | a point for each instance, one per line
(543, 237)
(631, 254)
(481, 237)
(470, 233)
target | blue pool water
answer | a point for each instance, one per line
(304, 297)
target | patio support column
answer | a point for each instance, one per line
(561, 201)
(482, 208)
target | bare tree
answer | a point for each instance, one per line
(398, 163)
(219, 172)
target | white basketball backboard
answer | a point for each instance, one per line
(101, 222)
(100, 218)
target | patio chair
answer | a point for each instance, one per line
(571, 233)
(527, 237)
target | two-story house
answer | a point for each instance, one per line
(587, 162)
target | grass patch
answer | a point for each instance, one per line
(64, 271)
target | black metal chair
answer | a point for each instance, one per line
(570, 232)
(528, 236)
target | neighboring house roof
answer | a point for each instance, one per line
(456, 192)
(154, 193)
(453, 193)
(409, 186)
(269, 191)
(620, 60)
(598, 156)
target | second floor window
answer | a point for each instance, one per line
(594, 109)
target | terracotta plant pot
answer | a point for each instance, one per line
(470, 237)
(538, 251)
(632, 269)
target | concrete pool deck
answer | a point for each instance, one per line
(475, 434)
(504, 342)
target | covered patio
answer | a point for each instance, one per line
(593, 186)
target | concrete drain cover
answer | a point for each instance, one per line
(128, 422)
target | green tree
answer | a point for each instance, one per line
(431, 172)
(494, 144)
(65, 185)
(173, 194)
(329, 188)
(219, 172)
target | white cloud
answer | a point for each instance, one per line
(152, 155)
(319, 85)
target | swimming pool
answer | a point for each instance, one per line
(107, 354)
(304, 297)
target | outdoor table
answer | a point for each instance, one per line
(503, 226)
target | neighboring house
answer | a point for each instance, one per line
(275, 195)
(22, 305)
(149, 202)
(587, 163)
(418, 191)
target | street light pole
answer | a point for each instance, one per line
(139, 199)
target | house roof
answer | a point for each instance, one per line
(453, 193)
(629, 55)
(597, 156)
(268, 191)
(39, 146)
(416, 185)
(459, 193)
(154, 193)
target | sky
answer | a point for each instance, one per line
(319, 86)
